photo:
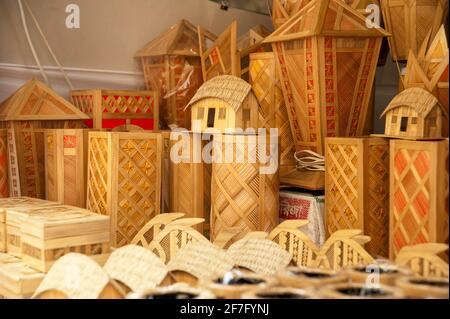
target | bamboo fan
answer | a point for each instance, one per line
(135, 267)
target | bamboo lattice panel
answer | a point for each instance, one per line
(419, 187)
(241, 197)
(272, 112)
(4, 188)
(409, 22)
(124, 180)
(357, 189)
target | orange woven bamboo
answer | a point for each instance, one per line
(4, 188)
(124, 180)
(418, 193)
(357, 189)
(242, 197)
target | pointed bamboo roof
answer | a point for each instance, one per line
(36, 101)
(326, 18)
(179, 39)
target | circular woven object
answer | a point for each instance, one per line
(418, 287)
(278, 293)
(177, 291)
(262, 256)
(238, 283)
(359, 291)
(202, 259)
(302, 277)
(388, 273)
(136, 267)
(76, 276)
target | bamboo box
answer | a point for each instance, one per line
(52, 232)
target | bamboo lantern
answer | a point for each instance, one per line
(327, 59)
(4, 188)
(410, 22)
(66, 170)
(266, 86)
(172, 67)
(111, 108)
(124, 180)
(25, 114)
(418, 193)
(242, 196)
(357, 189)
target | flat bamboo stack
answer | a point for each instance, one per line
(124, 180)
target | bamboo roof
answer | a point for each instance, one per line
(179, 39)
(229, 88)
(325, 18)
(36, 101)
(419, 99)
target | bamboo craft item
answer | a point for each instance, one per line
(172, 67)
(415, 114)
(429, 288)
(110, 108)
(357, 189)
(177, 291)
(124, 180)
(241, 195)
(278, 293)
(359, 291)
(29, 110)
(377, 273)
(17, 281)
(303, 277)
(135, 267)
(91, 281)
(3, 244)
(51, 232)
(418, 193)
(266, 86)
(424, 260)
(4, 186)
(410, 22)
(66, 166)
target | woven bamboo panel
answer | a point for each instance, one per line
(190, 192)
(124, 180)
(357, 189)
(242, 197)
(66, 165)
(409, 22)
(272, 112)
(4, 188)
(419, 193)
(111, 108)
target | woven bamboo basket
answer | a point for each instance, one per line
(177, 291)
(266, 86)
(278, 293)
(241, 196)
(303, 277)
(76, 276)
(385, 274)
(430, 288)
(201, 260)
(110, 108)
(418, 193)
(66, 166)
(124, 180)
(136, 268)
(410, 22)
(189, 187)
(4, 188)
(234, 284)
(17, 281)
(359, 291)
(357, 189)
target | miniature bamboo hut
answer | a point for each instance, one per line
(414, 114)
(224, 102)
(410, 22)
(25, 114)
(172, 67)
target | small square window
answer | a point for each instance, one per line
(414, 120)
(394, 120)
(200, 113)
(211, 115)
(222, 113)
(404, 124)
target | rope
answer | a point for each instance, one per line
(30, 43)
(310, 160)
